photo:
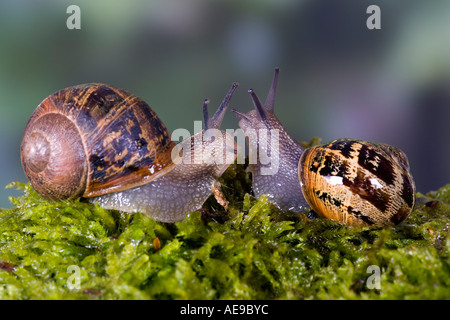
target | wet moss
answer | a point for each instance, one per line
(77, 250)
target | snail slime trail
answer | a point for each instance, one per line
(356, 182)
(109, 146)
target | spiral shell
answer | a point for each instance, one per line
(93, 139)
(357, 182)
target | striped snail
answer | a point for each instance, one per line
(356, 182)
(100, 142)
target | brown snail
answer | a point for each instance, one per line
(356, 182)
(100, 142)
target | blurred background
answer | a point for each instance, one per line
(338, 79)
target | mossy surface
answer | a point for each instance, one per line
(251, 251)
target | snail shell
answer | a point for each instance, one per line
(93, 139)
(356, 182)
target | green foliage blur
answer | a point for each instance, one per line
(338, 79)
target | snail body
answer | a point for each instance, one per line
(356, 182)
(100, 142)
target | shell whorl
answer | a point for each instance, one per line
(52, 154)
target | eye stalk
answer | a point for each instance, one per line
(270, 100)
(217, 118)
(259, 108)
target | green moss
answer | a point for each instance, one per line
(251, 251)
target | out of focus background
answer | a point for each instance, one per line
(338, 79)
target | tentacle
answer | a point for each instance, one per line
(260, 110)
(241, 115)
(217, 118)
(270, 100)
(206, 118)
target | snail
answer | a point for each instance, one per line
(356, 182)
(104, 144)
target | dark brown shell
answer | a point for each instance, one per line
(93, 139)
(357, 182)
